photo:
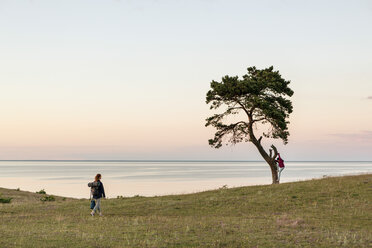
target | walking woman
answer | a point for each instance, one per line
(98, 192)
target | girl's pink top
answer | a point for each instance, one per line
(280, 162)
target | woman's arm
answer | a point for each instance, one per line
(103, 191)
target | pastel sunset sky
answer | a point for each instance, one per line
(127, 79)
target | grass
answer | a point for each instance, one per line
(47, 198)
(330, 212)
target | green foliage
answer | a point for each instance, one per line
(5, 199)
(47, 198)
(261, 95)
(42, 192)
(18, 189)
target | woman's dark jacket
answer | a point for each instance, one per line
(100, 191)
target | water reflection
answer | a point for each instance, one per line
(128, 178)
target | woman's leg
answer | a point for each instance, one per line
(280, 171)
(98, 204)
(97, 207)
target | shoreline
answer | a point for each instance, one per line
(127, 179)
(202, 191)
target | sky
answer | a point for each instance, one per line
(128, 79)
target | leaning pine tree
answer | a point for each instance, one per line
(261, 98)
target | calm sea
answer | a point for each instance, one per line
(149, 178)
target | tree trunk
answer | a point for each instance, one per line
(268, 158)
(271, 162)
(274, 173)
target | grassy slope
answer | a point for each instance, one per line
(331, 212)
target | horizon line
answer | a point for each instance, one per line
(168, 160)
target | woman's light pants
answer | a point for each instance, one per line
(279, 172)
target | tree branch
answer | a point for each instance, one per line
(251, 110)
(235, 124)
(225, 129)
(245, 110)
(261, 119)
(275, 151)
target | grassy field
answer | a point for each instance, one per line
(330, 212)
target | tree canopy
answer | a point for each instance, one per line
(261, 94)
